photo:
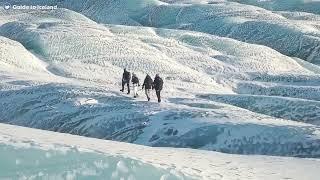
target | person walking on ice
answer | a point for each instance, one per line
(126, 76)
(136, 84)
(158, 85)
(147, 85)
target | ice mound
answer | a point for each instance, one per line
(239, 21)
(62, 156)
(70, 163)
(15, 57)
(71, 77)
(312, 6)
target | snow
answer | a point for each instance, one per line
(312, 6)
(75, 157)
(14, 52)
(72, 86)
(242, 22)
(239, 79)
(223, 18)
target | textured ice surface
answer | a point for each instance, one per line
(312, 6)
(49, 155)
(61, 71)
(299, 38)
(69, 163)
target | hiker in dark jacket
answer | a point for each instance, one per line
(135, 83)
(158, 85)
(126, 76)
(147, 85)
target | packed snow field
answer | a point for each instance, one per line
(50, 155)
(238, 78)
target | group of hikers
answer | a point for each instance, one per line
(148, 84)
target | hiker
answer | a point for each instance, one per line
(126, 80)
(135, 83)
(147, 85)
(157, 85)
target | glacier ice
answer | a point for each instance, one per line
(312, 6)
(231, 84)
(38, 155)
(299, 38)
(70, 163)
(189, 123)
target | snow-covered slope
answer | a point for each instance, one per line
(312, 6)
(60, 156)
(281, 31)
(16, 57)
(193, 65)
(61, 71)
(229, 19)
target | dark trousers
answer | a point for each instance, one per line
(128, 85)
(158, 92)
(147, 91)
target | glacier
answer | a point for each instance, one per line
(311, 6)
(293, 34)
(57, 91)
(240, 78)
(31, 163)
(50, 155)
